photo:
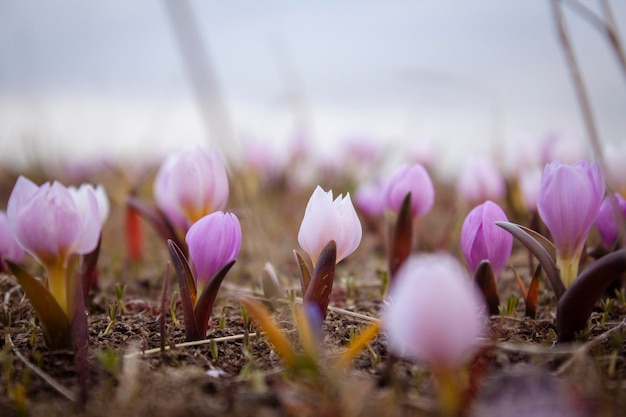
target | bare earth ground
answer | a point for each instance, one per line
(239, 373)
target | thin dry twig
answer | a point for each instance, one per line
(579, 84)
(40, 373)
(153, 351)
(353, 314)
(606, 27)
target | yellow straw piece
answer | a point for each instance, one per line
(275, 335)
(359, 344)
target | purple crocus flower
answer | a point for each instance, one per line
(213, 241)
(9, 248)
(480, 180)
(413, 179)
(482, 240)
(610, 219)
(190, 185)
(326, 219)
(434, 311)
(568, 202)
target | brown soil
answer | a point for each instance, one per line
(240, 374)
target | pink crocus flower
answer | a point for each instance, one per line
(434, 312)
(9, 248)
(568, 203)
(560, 145)
(190, 185)
(326, 219)
(413, 179)
(482, 240)
(369, 199)
(610, 219)
(213, 241)
(480, 180)
(53, 224)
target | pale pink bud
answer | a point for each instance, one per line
(369, 199)
(434, 313)
(213, 241)
(413, 179)
(190, 185)
(325, 220)
(480, 180)
(482, 240)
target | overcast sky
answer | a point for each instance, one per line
(79, 78)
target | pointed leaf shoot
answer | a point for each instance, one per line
(533, 293)
(187, 290)
(543, 241)
(269, 281)
(321, 286)
(54, 323)
(89, 270)
(205, 302)
(401, 242)
(540, 253)
(486, 281)
(305, 272)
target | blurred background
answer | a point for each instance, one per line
(114, 79)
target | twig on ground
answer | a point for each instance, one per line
(40, 373)
(153, 351)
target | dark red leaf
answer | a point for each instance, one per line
(575, 307)
(305, 272)
(187, 287)
(486, 281)
(205, 302)
(321, 285)
(401, 242)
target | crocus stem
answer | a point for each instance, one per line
(57, 284)
(449, 394)
(568, 268)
